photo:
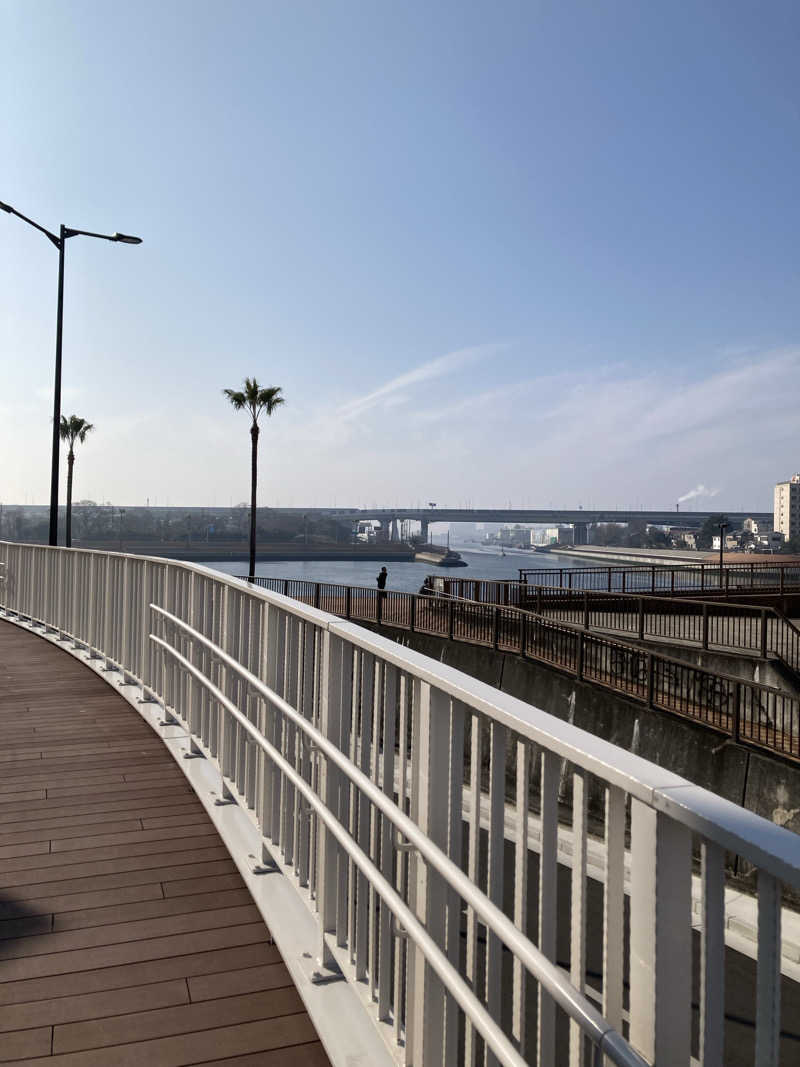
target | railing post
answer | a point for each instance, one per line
(702, 577)
(285, 586)
(378, 607)
(538, 600)
(579, 663)
(763, 633)
(412, 612)
(782, 584)
(496, 628)
(660, 936)
(672, 581)
(727, 580)
(623, 581)
(586, 611)
(450, 619)
(652, 579)
(641, 618)
(737, 712)
(651, 679)
(347, 601)
(705, 625)
(316, 594)
(609, 579)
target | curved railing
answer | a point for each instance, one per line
(405, 801)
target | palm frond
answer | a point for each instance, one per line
(255, 398)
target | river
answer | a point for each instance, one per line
(406, 577)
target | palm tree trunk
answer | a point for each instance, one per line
(253, 482)
(70, 464)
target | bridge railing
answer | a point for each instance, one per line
(404, 800)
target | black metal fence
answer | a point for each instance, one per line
(747, 711)
(699, 578)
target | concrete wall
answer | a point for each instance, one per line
(765, 784)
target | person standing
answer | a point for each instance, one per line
(381, 580)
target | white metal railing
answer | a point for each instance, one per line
(397, 794)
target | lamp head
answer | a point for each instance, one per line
(127, 239)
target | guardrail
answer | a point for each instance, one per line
(748, 712)
(694, 577)
(397, 795)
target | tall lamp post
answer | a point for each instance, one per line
(60, 242)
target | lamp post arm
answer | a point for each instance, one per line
(13, 211)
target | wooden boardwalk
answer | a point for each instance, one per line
(127, 937)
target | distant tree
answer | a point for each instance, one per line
(255, 400)
(709, 530)
(72, 429)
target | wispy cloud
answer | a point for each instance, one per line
(434, 368)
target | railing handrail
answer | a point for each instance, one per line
(551, 977)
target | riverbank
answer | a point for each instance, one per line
(663, 557)
(239, 551)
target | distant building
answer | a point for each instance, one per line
(683, 537)
(750, 526)
(787, 507)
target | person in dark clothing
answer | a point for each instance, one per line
(426, 589)
(381, 580)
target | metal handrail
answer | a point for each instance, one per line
(551, 977)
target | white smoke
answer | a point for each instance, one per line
(699, 490)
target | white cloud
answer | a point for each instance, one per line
(435, 368)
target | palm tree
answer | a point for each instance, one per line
(72, 429)
(255, 400)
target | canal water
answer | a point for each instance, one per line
(405, 577)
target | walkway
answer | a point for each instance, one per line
(127, 937)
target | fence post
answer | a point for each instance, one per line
(763, 633)
(727, 580)
(609, 579)
(412, 612)
(672, 581)
(650, 680)
(522, 633)
(652, 579)
(780, 571)
(450, 604)
(586, 611)
(496, 629)
(737, 712)
(579, 664)
(378, 607)
(316, 594)
(705, 625)
(538, 600)
(347, 602)
(285, 586)
(641, 618)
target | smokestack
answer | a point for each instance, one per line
(678, 506)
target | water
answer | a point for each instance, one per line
(405, 577)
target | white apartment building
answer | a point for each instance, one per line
(787, 507)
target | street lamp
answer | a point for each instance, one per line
(60, 243)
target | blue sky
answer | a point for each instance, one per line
(527, 252)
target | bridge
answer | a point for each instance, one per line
(402, 830)
(545, 516)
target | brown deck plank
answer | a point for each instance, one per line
(127, 935)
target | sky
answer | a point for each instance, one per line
(537, 253)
